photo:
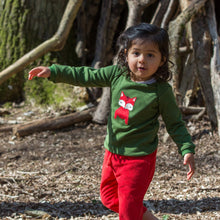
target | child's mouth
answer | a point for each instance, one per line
(141, 68)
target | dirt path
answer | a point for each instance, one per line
(56, 175)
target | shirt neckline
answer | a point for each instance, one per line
(147, 82)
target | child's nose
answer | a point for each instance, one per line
(141, 59)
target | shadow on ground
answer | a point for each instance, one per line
(68, 209)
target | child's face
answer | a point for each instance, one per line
(144, 58)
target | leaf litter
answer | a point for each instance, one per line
(56, 175)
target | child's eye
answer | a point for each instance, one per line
(150, 55)
(136, 53)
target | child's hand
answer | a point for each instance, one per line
(189, 160)
(40, 71)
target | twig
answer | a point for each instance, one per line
(12, 197)
(29, 173)
(65, 171)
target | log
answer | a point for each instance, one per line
(52, 123)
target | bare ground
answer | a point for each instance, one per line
(56, 174)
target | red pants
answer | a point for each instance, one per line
(124, 183)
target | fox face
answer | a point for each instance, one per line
(127, 105)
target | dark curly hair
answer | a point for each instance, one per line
(150, 32)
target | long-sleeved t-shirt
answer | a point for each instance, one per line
(135, 107)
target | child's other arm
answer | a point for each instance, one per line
(40, 71)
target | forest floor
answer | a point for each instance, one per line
(56, 174)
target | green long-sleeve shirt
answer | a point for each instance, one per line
(133, 121)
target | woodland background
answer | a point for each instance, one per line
(85, 33)
(45, 170)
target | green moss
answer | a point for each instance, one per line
(7, 105)
(43, 92)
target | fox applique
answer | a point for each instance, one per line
(127, 105)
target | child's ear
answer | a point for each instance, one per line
(163, 60)
(125, 52)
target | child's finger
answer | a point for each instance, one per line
(34, 72)
(191, 172)
(189, 160)
(30, 76)
(39, 72)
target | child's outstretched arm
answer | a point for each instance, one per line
(40, 71)
(189, 160)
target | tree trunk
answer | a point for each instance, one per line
(172, 7)
(102, 112)
(202, 42)
(86, 21)
(187, 79)
(176, 29)
(13, 15)
(160, 12)
(215, 60)
(99, 60)
(136, 9)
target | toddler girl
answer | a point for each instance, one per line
(140, 93)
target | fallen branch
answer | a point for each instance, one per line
(191, 110)
(65, 171)
(52, 123)
(38, 214)
(11, 197)
(6, 128)
(5, 180)
(193, 113)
